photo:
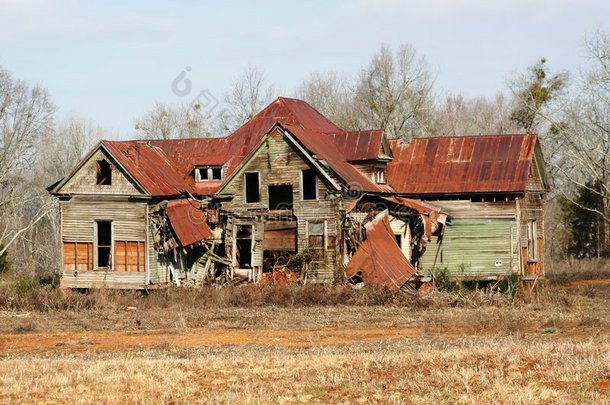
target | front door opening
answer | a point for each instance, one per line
(104, 244)
(280, 197)
(243, 246)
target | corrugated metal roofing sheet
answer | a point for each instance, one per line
(379, 260)
(358, 145)
(459, 165)
(150, 167)
(188, 221)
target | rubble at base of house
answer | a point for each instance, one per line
(191, 238)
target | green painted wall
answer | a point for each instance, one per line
(474, 247)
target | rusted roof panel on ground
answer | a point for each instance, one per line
(379, 260)
(188, 221)
(358, 145)
(457, 165)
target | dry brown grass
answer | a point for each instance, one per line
(328, 344)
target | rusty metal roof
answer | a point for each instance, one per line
(358, 145)
(323, 148)
(188, 221)
(150, 167)
(379, 260)
(458, 165)
(165, 167)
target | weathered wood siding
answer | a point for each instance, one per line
(84, 180)
(278, 163)
(78, 217)
(531, 208)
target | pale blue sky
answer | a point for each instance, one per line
(112, 60)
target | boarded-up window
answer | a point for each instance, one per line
(103, 173)
(309, 185)
(252, 188)
(281, 236)
(78, 256)
(129, 256)
(103, 238)
(315, 232)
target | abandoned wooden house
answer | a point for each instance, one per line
(291, 189)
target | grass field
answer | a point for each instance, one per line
(464, 347)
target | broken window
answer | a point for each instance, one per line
(308, 184)
(216, 173)
(531, 241)
(280, 197)
(208, 173)
(103, 240)
(315, 232)
(379, 175)
(103, 173)
(398, 239)
(252, 186)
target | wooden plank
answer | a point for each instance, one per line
(281, 239)
(119, 255)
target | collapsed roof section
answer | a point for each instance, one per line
(379, 260)
(431, 217)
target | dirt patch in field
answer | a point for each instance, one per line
(602, 386)
(43, 343)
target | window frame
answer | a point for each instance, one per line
(377, 170)
(100, 164)
(209, 172)
(245, 188)
(302, 184)
(96, 246)
(532, 239)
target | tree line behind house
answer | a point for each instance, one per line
(395, 92)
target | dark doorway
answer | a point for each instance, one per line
(104, 244)
(280, 197)
(243, 246)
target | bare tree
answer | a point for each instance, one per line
(394, 93)
(26, 115)
(333, 96)
(174, 122)
(581, 135)
(457, 115)
(247, 96)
